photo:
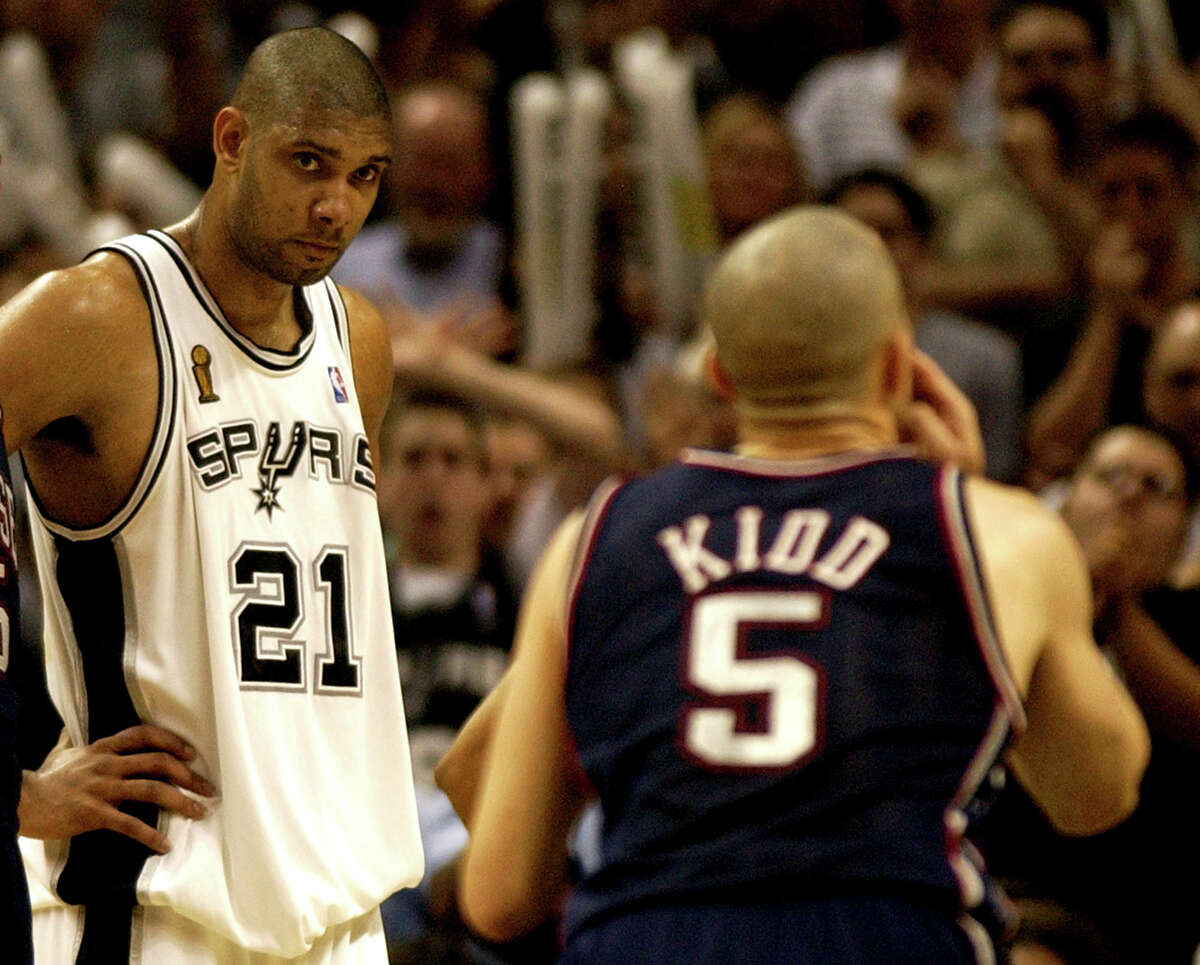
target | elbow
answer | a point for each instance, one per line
(1112, 800)
(494, 910)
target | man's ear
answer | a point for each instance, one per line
(718, 379)
(231, 132)
(897, 371)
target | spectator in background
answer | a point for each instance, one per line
(1139, 266)
(435, 257)
(454, 613)
(872, 108)
(520, 461)
(1015, 222)
(1171, 397)
(1105, 900)
(753, 169)
(983, 362)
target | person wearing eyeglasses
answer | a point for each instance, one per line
(1106, 900)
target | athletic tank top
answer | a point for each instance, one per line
(783, 681)
(239, 598)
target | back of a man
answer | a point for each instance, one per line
(766, 656)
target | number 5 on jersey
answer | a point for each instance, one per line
(270, 581)
(728, 679)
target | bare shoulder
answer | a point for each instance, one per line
(68, 336)
(101, 291)
(1016, 520)
(1035, 573)
(371, 355)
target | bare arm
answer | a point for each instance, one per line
(460, 770)
(514, 869)
(76, 345)
(1085, 746)
(370, 353)
(570, 417)
(1075, 407)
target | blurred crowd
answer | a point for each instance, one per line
(1031, 165)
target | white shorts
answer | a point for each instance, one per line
(162, 937)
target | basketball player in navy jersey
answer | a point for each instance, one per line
(788, 673)
(197, 410)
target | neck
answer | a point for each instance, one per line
(258, 306)
(811, 437)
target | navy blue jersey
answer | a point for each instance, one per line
(14, 898)
(783, 682)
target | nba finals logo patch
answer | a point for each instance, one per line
(339, 387)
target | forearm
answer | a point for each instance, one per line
(569, 417)
(1076, 405)
(460, 771)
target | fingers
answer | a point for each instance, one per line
(941, 421)
(163, 766)
(145, 736)
(126, 824)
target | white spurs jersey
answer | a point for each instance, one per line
(239, 598)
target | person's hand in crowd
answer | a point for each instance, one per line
(1031, 147)
(941, 421)
(1117, 271)
(483, 325)
(80, 789)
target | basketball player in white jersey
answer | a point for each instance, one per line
(197, 409)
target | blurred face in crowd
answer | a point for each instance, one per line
(1049, 61)
(1171, 390)
(1138, 186)
(517, 456)
(1128, 507)
(441, 172)
(753, 172)
(435, 487)
(877, 207)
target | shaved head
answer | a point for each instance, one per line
(801, 308)
(307, 71)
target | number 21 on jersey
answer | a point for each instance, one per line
(268, 618)
(728, 679)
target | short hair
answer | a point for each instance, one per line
(473, 415)
(310, 69)
(916, 206)
(1157, 131)
(1093, 13)
(799, 307)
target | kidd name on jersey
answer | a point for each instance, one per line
(792, 552)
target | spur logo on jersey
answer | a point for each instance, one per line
(224, 454)
(793, 550)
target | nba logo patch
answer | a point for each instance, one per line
(339, 387)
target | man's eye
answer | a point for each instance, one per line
(306, 161)
(367, 174)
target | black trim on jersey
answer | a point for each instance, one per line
(338, 305)
(101, 865)
(107, 933)
(160, 438)
(277, 360)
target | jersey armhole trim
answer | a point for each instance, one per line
(956, 531)
(164, 427)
